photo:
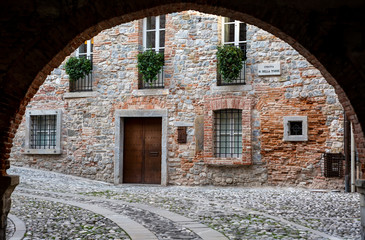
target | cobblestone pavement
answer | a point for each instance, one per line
(238, 213)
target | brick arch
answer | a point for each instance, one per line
(47, 37)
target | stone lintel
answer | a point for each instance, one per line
(150, 92)
(79, 95)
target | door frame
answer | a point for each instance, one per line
(119, 140)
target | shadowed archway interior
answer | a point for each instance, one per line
(36, 36)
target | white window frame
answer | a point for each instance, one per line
(295, 138)
(28, 117)
(89, 53)
(236, 41)
(157, 30)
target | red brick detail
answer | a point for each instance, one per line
(228, 101)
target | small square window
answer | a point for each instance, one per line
(295, 128)
(43, 132)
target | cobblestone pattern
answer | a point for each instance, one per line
(225, 209)
(190, 76)
(50, 220)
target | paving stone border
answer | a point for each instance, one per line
(132, 228)
(203, 231)
(19, 226)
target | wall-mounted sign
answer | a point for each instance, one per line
(269, 69)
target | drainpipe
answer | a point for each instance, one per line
(346, 143)
(352, 160)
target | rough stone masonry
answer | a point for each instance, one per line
(191, 97)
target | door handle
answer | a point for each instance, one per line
(154, 154)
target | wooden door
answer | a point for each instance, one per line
(142, 150)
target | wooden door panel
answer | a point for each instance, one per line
(133, 150)
(152, 151)
(142, 150)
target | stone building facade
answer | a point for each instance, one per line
(94, 128)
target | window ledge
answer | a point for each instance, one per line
(231, 88)
(42, 151)
(79, 95)
(150, 92)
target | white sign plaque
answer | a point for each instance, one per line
(269, 69)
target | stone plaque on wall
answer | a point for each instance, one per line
(269, 69)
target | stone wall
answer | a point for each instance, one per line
(88, 122)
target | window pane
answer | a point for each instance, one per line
(151, 39)
(229, 33)
(296, 128)
(238, 144)
(151, 23)
(162, 21)
(228, 20)
(242, 36)
(82, 49)
(162, 38)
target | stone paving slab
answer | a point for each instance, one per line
(20, 227)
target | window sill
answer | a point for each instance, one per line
(231, 88)
(42, 151)
(69, 95)
(150, 92)
(227, 162)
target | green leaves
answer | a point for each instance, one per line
(150, 64)
(229, 62)
(77, 68)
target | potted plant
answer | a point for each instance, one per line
(78, 68)
(150, 64)
(230, 63)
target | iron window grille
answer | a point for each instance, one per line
(295, 128)
(43, 132)
(84, 84)
(228, 133)
(333, 164)
(234, 33)
(153, 38)
(159, 83)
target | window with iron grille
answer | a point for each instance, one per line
(86, 83)
(295, 128)
(234, 33)
(154, 38)
(228, 133)
(333, 164)
(43, 132)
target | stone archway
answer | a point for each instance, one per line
(37, 36)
